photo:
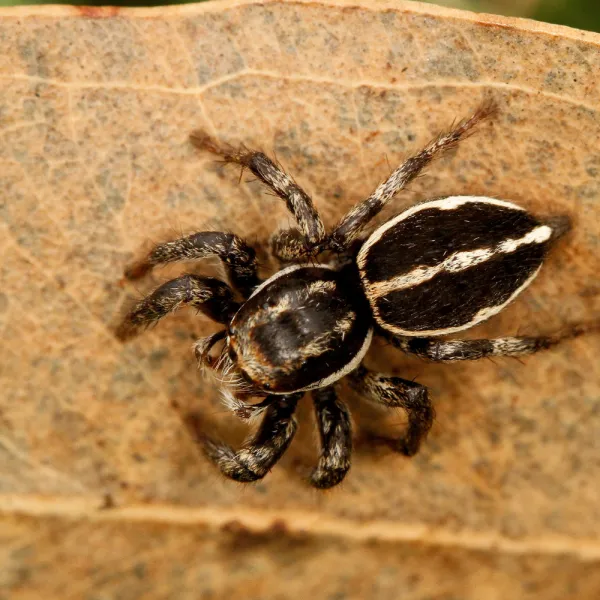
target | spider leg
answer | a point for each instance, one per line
(211, 296)
(237, 256)
(354, 222)
(254, 460)
(204, 345)
(335, 431)
(297, 200)
(394, 392)
(289, 245)
(449, 350)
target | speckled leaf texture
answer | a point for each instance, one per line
(103, 493)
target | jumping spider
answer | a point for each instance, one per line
(439, 267)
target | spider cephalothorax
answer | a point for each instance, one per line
(439, 267)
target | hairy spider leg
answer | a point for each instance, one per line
(204, 345)
(335, 431)
(258, 456)
(355, 221)
(293, 243)
(394, 392)
(209, 295)
(236, 255)
(289, 245)
(449, 350)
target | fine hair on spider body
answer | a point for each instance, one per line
(439, 267)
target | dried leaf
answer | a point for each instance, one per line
(95, 165)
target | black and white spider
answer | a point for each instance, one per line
(437, 268)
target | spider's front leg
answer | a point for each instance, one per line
(359, 217)
(238, 257)
(335, 431)
(450, 350)
(394, 392)
(289, 244)
(211, 296)
(256, 458)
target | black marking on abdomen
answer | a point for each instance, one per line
(452, 300)
(431, 235)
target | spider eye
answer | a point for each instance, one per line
(267, 386)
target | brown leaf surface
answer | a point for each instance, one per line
(95, 109)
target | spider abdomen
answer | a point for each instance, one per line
(304, 328)
(446, 265)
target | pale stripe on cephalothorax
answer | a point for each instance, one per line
(321, 343)
(235, 380)
(347, 368)
(318, 287)
(285, 271)
(272, 337)
(285, 303)
(458, 261)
